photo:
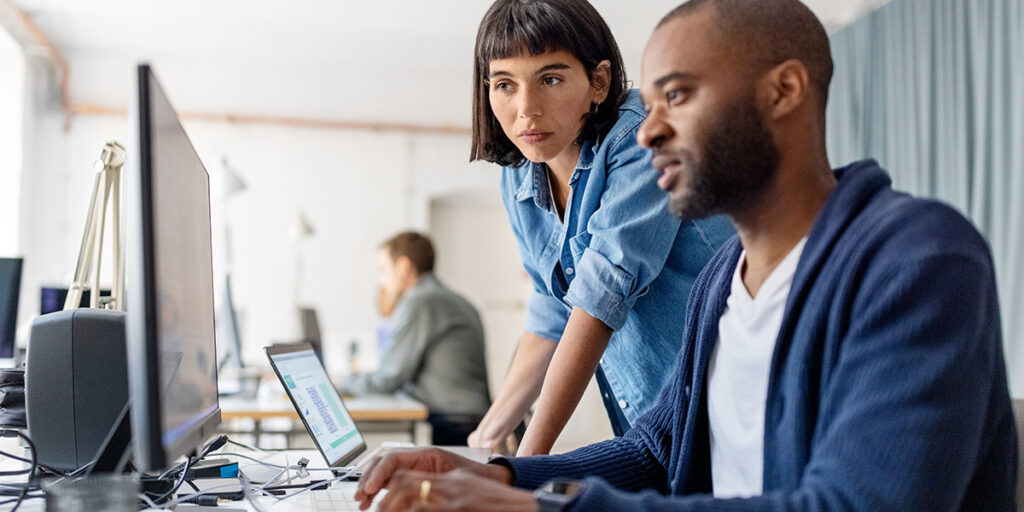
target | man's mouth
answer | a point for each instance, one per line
(669, 167)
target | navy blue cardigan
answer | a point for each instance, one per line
(887, 389)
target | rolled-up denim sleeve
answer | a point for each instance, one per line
(630, 237)
(546, 316)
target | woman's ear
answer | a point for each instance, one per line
(600, 81)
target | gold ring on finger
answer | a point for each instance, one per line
(425, 492)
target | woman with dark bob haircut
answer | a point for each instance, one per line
(611, 267)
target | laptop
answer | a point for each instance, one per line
(319, 405)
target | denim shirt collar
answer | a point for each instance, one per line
(535, 182)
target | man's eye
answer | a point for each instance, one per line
(676, 96)
(552, 80)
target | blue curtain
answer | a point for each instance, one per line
(934, 90)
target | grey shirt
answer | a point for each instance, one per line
(436, 353)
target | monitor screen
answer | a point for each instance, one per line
(318, 403)
(170, 313)
(10, 287)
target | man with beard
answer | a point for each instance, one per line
(842, 353)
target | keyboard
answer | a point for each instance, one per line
(330, 500)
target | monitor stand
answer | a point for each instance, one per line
(115, 451)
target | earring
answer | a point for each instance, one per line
(594, 107)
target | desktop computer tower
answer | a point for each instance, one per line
(76, 384)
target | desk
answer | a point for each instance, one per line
(389, 413)
(269, 504)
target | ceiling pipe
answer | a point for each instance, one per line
(78, 108)
(30, 37)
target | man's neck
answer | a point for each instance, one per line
(770, 228)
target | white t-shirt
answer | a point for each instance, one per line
(738, 378)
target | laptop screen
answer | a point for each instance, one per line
(318, 403)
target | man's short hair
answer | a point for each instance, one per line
(415, 246)
(771, 32)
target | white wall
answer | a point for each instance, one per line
(12, 66)
(356, 188)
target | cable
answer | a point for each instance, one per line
(278, 466)
(251, 448)
(189, 461)
(249, 489)
(177, 484)
(15, 457)
(30, 471)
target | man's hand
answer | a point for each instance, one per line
(383, 469)
(458, 490)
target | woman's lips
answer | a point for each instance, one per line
(533, 137)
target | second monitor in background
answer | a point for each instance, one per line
(10, 288)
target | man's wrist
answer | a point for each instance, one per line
(500, 470)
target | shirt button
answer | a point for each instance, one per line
(622, 404)
(569, 271)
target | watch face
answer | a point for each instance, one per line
(568, 488)
(555, 495)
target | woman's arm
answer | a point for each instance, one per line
(518, 392)
(571, 369)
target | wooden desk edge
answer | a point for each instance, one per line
(358, 415)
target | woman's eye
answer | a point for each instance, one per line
(552, 80)
(502, 86)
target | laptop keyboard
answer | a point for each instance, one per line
(332, 500)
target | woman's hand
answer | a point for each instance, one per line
(517, 394)
(458, 490)
(383, 469)
(486, 436)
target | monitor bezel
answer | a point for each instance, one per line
(151, 454)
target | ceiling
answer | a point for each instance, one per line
(433, 38)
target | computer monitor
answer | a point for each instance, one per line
(52, 298)
(229, 340)
(172, 355)
(10, 287)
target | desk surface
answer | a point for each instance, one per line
(367, 408)
(268, 504)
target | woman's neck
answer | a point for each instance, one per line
(561, 168)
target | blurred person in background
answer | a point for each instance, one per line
(435, 351)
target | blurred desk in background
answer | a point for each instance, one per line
(372, 414)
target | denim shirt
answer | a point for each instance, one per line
(619, 255)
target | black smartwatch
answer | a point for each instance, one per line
(557, 495)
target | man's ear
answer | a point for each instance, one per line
(601, 81)
(785, 87)
(404, 266)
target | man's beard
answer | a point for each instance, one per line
(739, 161)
